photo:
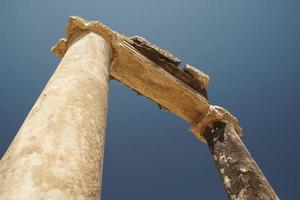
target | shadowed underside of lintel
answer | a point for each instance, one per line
(154, 73)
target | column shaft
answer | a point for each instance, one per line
(240, 174)
(58, 152)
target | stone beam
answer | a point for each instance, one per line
(154, 73)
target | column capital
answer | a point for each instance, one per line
(77, 25)
(214, 113)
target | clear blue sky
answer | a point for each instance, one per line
(251, 50)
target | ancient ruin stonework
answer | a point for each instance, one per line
(241, 176)
(58, 152)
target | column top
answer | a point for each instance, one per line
(154, 73)
(214, 114)
(77, 24)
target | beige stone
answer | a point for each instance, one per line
(58, 152)
(140, 73)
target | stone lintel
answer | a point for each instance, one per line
(154, 73)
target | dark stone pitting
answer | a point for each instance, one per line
(240, 174)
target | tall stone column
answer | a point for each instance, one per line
(58, 152)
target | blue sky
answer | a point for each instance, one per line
(250, 49)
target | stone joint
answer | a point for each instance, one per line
(214, 113)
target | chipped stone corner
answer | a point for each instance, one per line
(197, 74)
(214, 113)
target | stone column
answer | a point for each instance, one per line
(58, 152)
(242, 178)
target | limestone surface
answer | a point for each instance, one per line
(58, 152)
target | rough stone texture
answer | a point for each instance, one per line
(151, 80)
(168, 62)
(198, 75)
(58, 152)
(242, 178)
(153, 52)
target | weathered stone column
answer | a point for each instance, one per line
(242, 178)
(58, 152)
